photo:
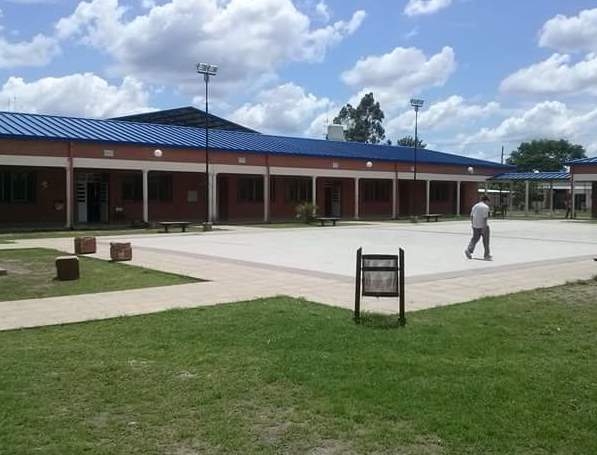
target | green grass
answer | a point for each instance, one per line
(506, 375)
(31, 274)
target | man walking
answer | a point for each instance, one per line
(479, 217)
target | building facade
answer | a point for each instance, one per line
(70, 171)
(585, 171)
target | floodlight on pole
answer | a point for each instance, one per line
(207, 70)
(416, 104)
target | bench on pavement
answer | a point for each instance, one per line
(181, 224)
(435, 216)
(327, 219)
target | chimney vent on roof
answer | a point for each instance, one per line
(335, 132)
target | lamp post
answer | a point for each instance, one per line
(207, 70)
(416, 104)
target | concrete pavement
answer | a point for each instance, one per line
(234, 277)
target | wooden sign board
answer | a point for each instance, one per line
(379, 275)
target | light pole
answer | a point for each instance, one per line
(416, 104)
(207, 70)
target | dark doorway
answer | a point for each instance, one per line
(94, 202)
(222, 197)
(333, 199)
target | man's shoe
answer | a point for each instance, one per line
(468, 254)
(488, 258)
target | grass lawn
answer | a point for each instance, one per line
(31, 274)
(514, 374)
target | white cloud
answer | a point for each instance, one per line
(246, 39)
(548, 119)
(37, 52)
(420, 7)
(449, 112)
(285, 109)
(401, 73)
(554, 76)
(323, 11)
(571, 34)
(85, 95)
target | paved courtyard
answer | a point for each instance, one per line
(243, 263)
(431, 248)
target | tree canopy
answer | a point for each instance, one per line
(363, 123)
(545, 155)
(409, 141)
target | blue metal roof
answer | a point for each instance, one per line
(583, 161)
(36, 126)
(521, 176)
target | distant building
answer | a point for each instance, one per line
(185, 116)
(74, 171)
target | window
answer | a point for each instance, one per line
(160, 187)
(250, 189)
(18, 186)
(132, 187)
(299, 191)
(439, 192)
(376, 191)
(4, 186)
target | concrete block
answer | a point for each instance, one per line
(67, 268)
(121, 251)
(85, 245)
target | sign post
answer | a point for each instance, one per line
(379, 275)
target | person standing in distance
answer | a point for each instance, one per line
(479, 221)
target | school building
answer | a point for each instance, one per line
(76, 171)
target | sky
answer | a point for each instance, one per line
(492, 73)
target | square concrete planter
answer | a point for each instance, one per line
(67, 268)
(121, 251)
(85, 245)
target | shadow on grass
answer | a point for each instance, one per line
(380, 321)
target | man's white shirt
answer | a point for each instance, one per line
(479, 215)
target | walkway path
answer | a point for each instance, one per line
(233, 280)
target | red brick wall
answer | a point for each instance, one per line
(50, 190)
(405, 188)
(179, 209)
(469, 195)
(280, 207)
(132, 210)
(584, 169)
(448, 206)
(237, 210)
(375, 209)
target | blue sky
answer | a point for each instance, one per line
(492, 73)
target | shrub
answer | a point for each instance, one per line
(306, 212)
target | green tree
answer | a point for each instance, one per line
(545, 155)
(363, 123)
(409, 141)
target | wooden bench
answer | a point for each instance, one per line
(327, 219)
(182, 224)
(432, 215)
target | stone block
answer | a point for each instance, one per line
(85, 245)
(121, 251)
(67, 268)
